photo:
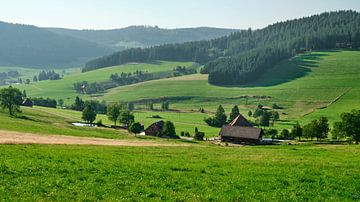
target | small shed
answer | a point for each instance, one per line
(241, 135)
(27, 102)
(155, 128)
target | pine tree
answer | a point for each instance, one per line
(220, 116)
(234, 113)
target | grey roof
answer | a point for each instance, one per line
(241, 132)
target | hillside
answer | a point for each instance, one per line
(244, 56)
(143, 36)
(31, 46)
(301, 85)
(307, 86)
(25, 45)
(64, 88)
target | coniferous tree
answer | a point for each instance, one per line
(234, 113)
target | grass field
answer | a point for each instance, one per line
(308, 86)
(64, 88)
(183, 121)
(90, 173)
(42, 121)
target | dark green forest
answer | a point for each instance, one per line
(244, 55)
(26, 45)
(31, 46)
(144, 36)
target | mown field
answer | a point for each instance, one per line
(196, 173)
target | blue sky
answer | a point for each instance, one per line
(107, 14)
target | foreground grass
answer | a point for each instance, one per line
(281, 173)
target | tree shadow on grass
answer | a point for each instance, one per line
(289, 70)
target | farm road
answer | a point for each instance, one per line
(9, 137)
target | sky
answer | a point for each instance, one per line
(110, 14)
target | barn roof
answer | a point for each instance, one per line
(241, 132)
(240, 121)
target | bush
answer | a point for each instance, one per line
(135, 128)
(199, 136)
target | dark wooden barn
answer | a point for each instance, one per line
(241, 135)
(241, 131)
(155, 128)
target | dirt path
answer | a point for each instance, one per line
(8, 137)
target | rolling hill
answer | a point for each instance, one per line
(244, 56)
(307, 86)
(143, 36)
(30, 46)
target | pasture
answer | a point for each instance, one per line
(196, 173)
(64, 88)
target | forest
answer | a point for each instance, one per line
(242, 56)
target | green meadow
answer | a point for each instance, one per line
(195, 173)
(307, 86)
(43, 121)
(64, 88)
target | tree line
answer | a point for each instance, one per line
(129, 78)
(243, 56)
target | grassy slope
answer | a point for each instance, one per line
(301, 85)
(183, 121)
(43, 121)
(280, 173)
(64, 88)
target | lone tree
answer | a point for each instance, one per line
(79, 104)
(89, 113)
(234, 113)
(130, 106)
(135, 128)
(113, 112)
(126, 117)
(285, 134)
(275, 116)
(169, 130)
(61, 102)
(265, 119)
(349, 126)
(11, 99)
(165, 105)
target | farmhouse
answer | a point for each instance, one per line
(27, 103)
(241, 131)
(155, 128)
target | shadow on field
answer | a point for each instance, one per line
(288, 70)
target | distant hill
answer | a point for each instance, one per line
(25, 45)
(144, 36)
(243, 56)
(31, 46)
